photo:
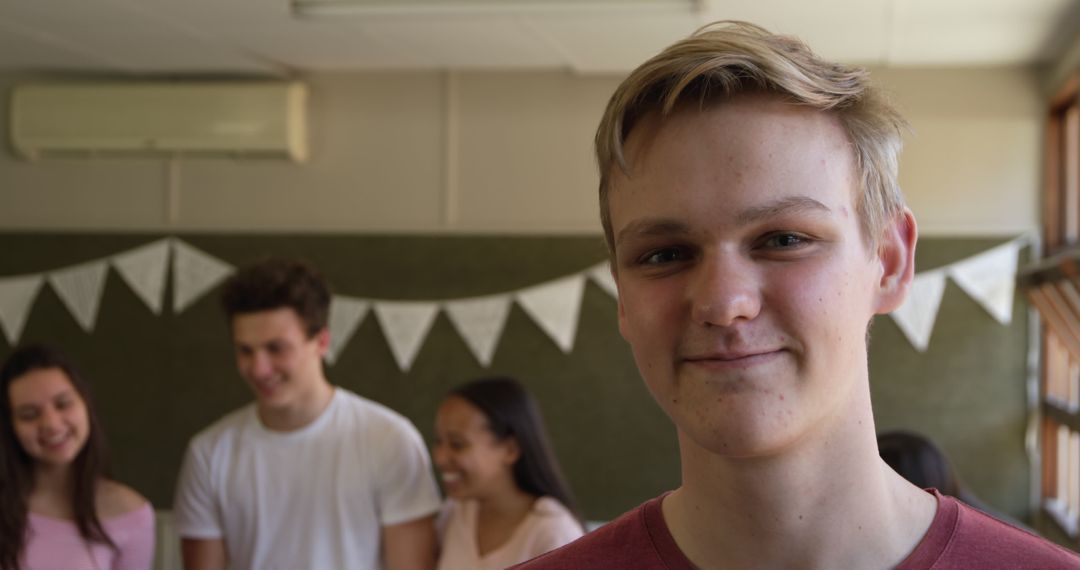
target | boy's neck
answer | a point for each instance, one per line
(829, 501)
(301, 413)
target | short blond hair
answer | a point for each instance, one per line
(724, 59)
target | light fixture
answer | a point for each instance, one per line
(442, 7)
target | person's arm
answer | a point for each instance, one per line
(406, 495)
(554, 531)
(195, 511)
(203, 554)
(409, 545)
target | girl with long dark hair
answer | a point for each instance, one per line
(507, 499)
(57, 508)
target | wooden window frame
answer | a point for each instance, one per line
(1053, 287)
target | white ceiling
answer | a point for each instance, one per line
(265, 37)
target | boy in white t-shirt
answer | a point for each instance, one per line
(309, 475)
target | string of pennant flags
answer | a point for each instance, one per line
(554, 306)
(988, 277)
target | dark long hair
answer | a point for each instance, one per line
(17, 467)
(921, 462)
(512, 412)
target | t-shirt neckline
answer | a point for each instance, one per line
(929, 548)
(937, 537)
(300, 433)
(663, 542)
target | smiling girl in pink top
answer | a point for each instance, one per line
(57, 509)
(507, 500)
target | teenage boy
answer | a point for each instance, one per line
(309, 475)
(750, 202)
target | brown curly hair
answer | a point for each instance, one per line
(275, 283)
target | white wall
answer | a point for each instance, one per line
(972, 162)
(506, 153)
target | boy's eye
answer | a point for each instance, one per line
(784, 240)
(666, 255)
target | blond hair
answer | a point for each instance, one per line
(727, 58)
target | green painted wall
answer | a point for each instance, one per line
(967, 391)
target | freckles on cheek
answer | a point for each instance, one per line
(815, 302)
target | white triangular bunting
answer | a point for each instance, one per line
(917, 315)
(17, 295)
(345, 315)
(194, 273)
(990, 279)
(80, 287)
(405, 325)
(601, 275)
(144, 269)
(555, 307)
(480, 322)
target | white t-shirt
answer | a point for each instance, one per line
(548, 526)
(311, 498)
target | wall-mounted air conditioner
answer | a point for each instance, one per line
(223, 118)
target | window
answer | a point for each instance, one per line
(1053, 286)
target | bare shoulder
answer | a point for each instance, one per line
(115, 499)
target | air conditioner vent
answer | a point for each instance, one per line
(264, 119)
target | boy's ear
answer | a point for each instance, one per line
(896, 253)
(323, 339)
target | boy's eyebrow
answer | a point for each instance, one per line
(646, 227)
(789, 205)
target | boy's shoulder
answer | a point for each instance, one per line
(962, 536)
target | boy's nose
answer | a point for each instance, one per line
(724, 291)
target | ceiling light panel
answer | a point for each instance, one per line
(400, 7)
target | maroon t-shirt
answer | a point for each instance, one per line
(959, 537)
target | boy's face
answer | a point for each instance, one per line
(281, 364)
(745, 285)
